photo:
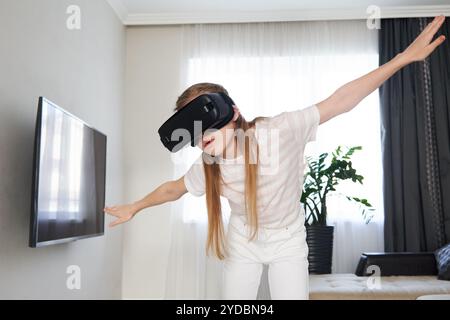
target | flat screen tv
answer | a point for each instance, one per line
(68, 190)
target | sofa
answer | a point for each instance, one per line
(383, 276)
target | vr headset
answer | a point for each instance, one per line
(187, 125)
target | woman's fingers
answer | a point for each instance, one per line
(437, 23)
(433, 27)
(121, 212)
(115, 223)
(438, 41)
(428, 33)
(423, 45)
(111, 211)
(430, 30)
(431, 24)
(118, 221)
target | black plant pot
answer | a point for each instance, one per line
(320, 245)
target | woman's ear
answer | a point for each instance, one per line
(236, 113)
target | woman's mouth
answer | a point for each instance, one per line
(207, 143)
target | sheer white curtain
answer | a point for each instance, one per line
(269, 68)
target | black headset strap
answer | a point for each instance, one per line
(227, 98)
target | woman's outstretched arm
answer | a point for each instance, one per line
(349, 95)
(168, 191)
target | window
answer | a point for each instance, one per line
(267, 85)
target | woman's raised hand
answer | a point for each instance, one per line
(123, 213)
(422, 46)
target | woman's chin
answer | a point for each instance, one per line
(212, 151)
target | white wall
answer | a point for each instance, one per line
(83, 72)
(152, 80)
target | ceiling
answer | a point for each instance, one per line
(144, 12)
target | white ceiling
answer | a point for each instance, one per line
(136, 12)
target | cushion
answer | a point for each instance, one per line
(435, 297)
(346, 286)
(443, 262)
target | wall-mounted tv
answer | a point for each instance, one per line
(69, 172)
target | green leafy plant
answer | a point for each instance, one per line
(321, 179)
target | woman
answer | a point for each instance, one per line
(258, 167)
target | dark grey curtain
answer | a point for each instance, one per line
(415, 123)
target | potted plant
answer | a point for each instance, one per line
(323, 175)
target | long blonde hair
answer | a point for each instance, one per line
(213, 177)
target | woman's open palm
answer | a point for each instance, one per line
(123, 213)
(422, 46)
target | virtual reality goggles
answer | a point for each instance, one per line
(187, 125)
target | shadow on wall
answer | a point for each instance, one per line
(24, 272)
(16, 150)
(40, 56)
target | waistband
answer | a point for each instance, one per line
(240, 224)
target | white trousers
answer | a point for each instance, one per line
(285, 252)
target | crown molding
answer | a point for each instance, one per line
(120, 9)
(136, 19)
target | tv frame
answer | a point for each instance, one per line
(33, 233)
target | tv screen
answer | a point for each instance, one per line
(68, 192)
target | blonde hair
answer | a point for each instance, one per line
(213, 177)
